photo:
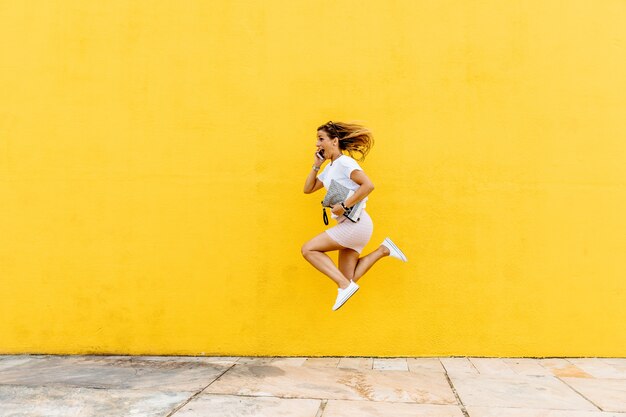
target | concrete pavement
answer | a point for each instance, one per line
(164, 386)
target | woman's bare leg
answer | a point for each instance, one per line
(314, 252)
(351, 265)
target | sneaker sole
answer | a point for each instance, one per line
(346, 298)
(397, 249)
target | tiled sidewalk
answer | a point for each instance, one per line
(119, 386)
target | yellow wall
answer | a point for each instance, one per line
(152, 157)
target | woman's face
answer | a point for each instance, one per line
(324, 143)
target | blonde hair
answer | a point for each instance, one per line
(354, 138)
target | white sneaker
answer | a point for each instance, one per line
(394, 251)
(344, 294)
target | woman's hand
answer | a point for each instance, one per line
(337, 210)
(317, 161)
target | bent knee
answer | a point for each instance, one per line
(306, 250)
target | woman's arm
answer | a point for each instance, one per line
(365, 188)
(312, 184)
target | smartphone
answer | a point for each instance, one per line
(320, 154)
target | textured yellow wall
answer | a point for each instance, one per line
(152, 157)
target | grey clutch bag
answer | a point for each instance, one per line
(336, 194)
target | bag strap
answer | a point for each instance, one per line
(325, 216)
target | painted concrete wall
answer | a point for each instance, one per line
(153, 153)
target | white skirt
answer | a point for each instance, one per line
(352, 235)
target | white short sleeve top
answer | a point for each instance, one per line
(340, 171)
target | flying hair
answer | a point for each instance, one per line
(356, 139)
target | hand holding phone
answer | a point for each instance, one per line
(319, 159)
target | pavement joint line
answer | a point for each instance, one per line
(176, 409)
(579, 393)
(473, 365)
(320, 410)
(460, 403)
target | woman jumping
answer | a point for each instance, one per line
(347, 237)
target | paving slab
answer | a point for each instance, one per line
(220, 360)
(527, 367)
(425, 364)
(288, 361)
(563, 367)
(533, 412)
(335, 383)
(493, 367)
(114, 373)
(391, 364)
(459, 366)
(356, 363)
(621, 362)
(531, 392)
(255, 361)
(608, 394)
(209, 405)
(600, 369)
(322, 362)
(9, 362)
(17, 401)
(336, 408)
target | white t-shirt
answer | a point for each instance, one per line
(340, 171)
